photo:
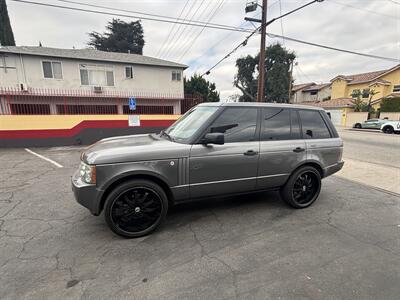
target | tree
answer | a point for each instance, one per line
(359, 104)
(277, 65)
(120, 36)
(390, 104)
(198, 86)
(6, 33)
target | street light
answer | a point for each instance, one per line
(251, 6)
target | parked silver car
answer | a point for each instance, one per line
(215, 149)
(370, 124)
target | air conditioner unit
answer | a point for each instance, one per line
(97, 89)
(23, 87)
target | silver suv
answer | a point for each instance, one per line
(214, 149)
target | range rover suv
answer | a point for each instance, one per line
(214, 149)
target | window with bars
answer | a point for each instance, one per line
(176, 75)
(129, 72)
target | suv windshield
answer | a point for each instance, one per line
(185, 127)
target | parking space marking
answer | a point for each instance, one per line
(44, 158)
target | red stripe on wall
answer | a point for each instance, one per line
(53, 133)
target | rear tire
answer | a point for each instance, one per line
(388, 129)
(135, 208)
(358, 125)
(302, 188)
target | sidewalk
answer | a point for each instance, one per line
(376, 175)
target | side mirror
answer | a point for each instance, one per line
(214, 138)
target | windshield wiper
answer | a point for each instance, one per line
(167, 135)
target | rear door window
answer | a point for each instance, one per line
(313, 125)
(280, 124)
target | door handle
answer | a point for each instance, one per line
(298, 149)
(250, 152)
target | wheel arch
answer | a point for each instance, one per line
(128, 177)
(316, 165)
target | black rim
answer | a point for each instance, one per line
(305, 187)
(136, 209)
(388, 130)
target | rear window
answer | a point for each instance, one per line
(313, 125)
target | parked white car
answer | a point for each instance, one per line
(391, 127)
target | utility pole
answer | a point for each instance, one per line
(290, 80)
(261, 63)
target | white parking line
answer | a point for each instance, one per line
(44, 158)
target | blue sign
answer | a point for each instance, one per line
(132, 103)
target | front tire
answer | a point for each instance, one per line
(388, 129)
(302, 188)
(135, 208)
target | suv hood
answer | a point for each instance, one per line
(130, 148)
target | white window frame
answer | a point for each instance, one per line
(176, 72)
(132, 76)
(106, 68)
(52, 71)
(396, 88)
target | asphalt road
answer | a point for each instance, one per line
(346, 246)
(372, 147)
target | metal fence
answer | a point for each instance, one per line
(76, 102)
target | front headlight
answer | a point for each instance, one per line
(87, 173)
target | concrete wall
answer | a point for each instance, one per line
(149, 80)
(390, 115)
(60, 130)
(355, 117)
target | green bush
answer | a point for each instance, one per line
(390, 105)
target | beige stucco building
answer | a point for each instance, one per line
(308, 92)
(97, 74)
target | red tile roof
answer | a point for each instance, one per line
(333, 103)
(365, 77)
(316, 87)
(301, 86)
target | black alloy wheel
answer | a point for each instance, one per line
(136, 208)
(305, 187)
(388, 129)
(302, 188)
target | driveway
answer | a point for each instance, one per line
(346, 246)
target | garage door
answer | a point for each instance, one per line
(336, 116)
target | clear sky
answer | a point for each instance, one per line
(368, 26)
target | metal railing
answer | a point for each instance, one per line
(78, 102)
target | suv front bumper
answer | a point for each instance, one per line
(86, 194)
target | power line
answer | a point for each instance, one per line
(242, 44)
(172, 29)
(193, 41)
(363, 9)
(280, 12)
(178, 29)
(192, 23)
(395, 2)
(228, 35)
(333, 48)
(182, 38)
(262, 32)
(179, 19)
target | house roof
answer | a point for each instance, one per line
(333, 103)
(316, 87)
(90, 54)
(365, 77)
(301, 86)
